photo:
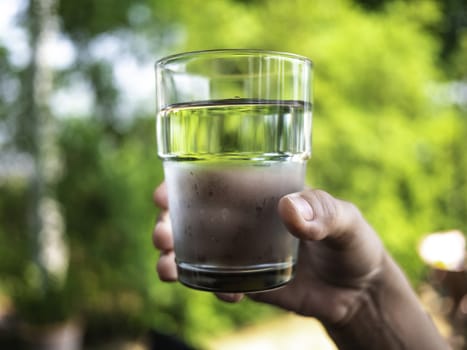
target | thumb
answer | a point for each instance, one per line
(316, 215)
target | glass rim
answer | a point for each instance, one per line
(247, 52)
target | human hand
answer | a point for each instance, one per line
(339, 255)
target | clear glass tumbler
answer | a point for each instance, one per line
(234, 133)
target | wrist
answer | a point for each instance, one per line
(386, 315)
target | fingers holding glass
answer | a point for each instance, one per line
(162, 235)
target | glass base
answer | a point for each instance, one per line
(238, 280)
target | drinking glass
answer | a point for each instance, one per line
(234, 134)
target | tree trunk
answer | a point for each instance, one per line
(46, 222)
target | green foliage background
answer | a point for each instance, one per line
(386, 136)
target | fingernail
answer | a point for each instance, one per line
(302, 206)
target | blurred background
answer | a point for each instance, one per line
(78, 160)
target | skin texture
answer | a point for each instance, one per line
(344, 276)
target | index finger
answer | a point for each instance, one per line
(160, 196)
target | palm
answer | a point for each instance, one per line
(328, 278)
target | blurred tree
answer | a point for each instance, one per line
(45, 270)
(452, 26)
